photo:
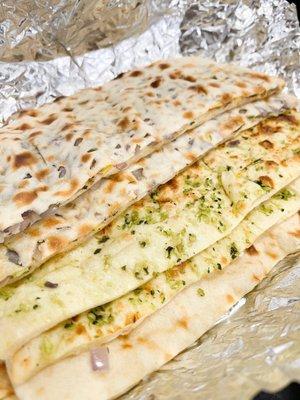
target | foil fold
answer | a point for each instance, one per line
(53, 48)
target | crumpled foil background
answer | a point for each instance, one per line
(50, 48)
(53, 40)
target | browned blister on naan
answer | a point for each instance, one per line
(51, 154)
(6, 389)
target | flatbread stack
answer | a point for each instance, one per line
(133, 216)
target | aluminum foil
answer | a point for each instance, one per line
(44, 45)
(260, 34)
(255, 346)
(50, 48)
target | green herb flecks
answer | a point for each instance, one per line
(6, 293)
(200, 292)
(69, 325)
(284, 194)
(100, 315)
(169, 251)
(143, 243)
(233, 251)
(141, 270)
(22, 308)
(190, 183)
(192, 238)
(146, 216)
(103, 239)
(46, 347)
(266, 209)
(177, 245)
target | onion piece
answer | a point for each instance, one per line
(51, 285)
(99, 359)
(121, 165)
(13, 257)
(138, 174)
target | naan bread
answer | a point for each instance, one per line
(49, 155)
(168, 331)
(94, 209)
(102, 324)
(188, 214)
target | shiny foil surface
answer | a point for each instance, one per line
(51, 48)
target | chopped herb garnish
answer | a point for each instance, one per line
(221, 227)
(103, 239)
(154, 195)
(46, 347)
(190, 184)
(141, 270)
(192, 238)
(162, 298)
(266, 209)
(233, 251)
(200, 292)
(69, 325)
(169, 250)
(149, 215)
(6, 293)
(284, 194)
(100, 316)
